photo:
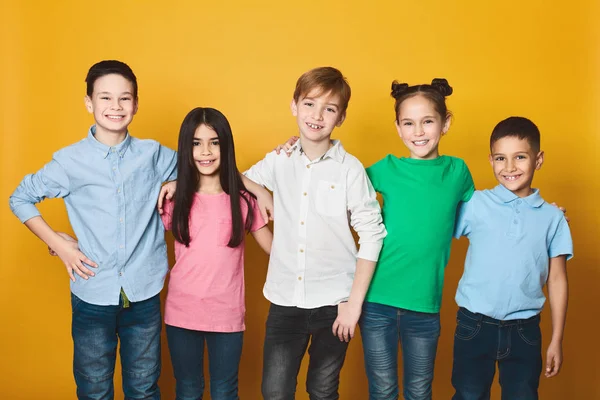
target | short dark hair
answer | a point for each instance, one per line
(108, 67)
(326, 79)
(436, 92)
(519, 127)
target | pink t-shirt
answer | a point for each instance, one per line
(206, 286)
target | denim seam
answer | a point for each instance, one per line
(95, 379)
(142, 374)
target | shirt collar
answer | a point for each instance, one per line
(335, 152)
(120, 149)
(533, 200)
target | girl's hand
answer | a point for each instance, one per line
(564, 210)
(68, 251)
(345, 323)
(166, 193)
(287, 145)
(553, 359)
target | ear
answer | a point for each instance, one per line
(539, 160)
(135, 108)
(294, 108)
(88, 104)
(341, 120)
(447, 124)
(491, 158)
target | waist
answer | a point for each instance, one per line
(493, 321)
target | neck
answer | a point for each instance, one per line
(109, 138)
(523, 192)
(210, 184)
(314, 150)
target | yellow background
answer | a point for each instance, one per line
(533, 58)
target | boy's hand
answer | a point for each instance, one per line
(166, 193)
(553, 359)
(64, 236)
(287, 145)
(564, 210)
(346, 321)
(68, 252)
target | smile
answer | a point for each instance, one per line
(115, 117)
(511, 178)
(313, 126)
(205, 163)
(420, 142)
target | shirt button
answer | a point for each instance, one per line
(121, 220)
(333, 186)
(299, 278)
(516, 222)
(121, 246)
(120, 274)
(308, 166)
(119, 190)
(305, 193)
(301, 250)
(114, 168)
(518, 201)
(301, 222)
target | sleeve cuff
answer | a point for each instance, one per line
(370, 251)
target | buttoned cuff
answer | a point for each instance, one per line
(370, 251)
(25, 212)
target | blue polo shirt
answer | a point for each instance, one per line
(511, 242)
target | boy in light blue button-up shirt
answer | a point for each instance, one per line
(110, 182)
(518, 244)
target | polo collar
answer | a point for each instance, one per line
(533, 200)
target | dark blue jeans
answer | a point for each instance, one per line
(187, 355)
(382, 328)
(96, 331)
(289, 330)
(482, 341)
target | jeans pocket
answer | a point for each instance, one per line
(466, 329)
(530, 333)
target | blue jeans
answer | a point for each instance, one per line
(289, 330)
(480, 342)
(381, 328)
(96, 331)
(187, 355)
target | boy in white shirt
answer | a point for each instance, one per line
(317, 280)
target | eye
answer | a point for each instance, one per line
(104, 98)
(308, 103)
(407, 123)
(521, 157)
(196, 143)
(499, 158)
(330, 109)
(429, 121)
(214, 143)
(125, 98)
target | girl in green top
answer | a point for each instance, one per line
(421, 195)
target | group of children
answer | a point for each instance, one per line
(319, 284)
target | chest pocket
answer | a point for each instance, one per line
(330, 200)
(143, 185)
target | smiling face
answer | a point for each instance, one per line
(317, 114)
(112, 103)
(514, 163)
(421, 127)
(207, 152)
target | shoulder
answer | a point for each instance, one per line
(455, 162)
(76, 149)
(385, 163)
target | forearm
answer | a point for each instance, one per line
(264, 238)
(42, 230)
(362, 280)
(558, 294)
(252, 186)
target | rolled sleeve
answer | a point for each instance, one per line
(365, 214)
(263, 171)
(51, 181)
(562, 243)
(167, 163)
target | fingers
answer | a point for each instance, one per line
(265, 215)
(70, 272)
(335, 326)
(89, 262)
(553, 364)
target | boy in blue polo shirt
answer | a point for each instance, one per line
(109, 181)
(518, 243)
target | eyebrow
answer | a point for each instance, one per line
(212, 138)
(410, 119)
(329, 104)
(129, 93)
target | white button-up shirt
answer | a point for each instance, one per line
(313, 257)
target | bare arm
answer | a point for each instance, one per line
(263, 197)
(67, 250)
(264, 238)
(558, 294)
(349, 312)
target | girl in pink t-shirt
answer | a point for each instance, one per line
(210, 214)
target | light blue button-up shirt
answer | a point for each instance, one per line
(511, 242)
(110, 194)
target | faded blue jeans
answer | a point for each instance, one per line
(187, 355)
(96, 331)
(382, 328)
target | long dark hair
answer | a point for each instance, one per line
(188, 176)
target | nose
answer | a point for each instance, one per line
(116, 104)
(510, 165)
(317, 114)
(205, 149)
(419, 130)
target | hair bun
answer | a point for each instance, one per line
(442, 86)
(398, 89)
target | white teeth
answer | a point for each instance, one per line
(420, 142)
(512, 177)
(115, 116)
(313, 126)
(207, 162)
